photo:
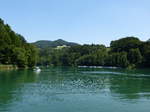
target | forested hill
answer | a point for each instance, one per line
(128, 52)
(47, 43)
(14, 50)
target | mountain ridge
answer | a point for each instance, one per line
(55, 43)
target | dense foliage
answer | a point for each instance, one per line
(14, 50)
(126, 52)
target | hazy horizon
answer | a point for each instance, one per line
(80, 21)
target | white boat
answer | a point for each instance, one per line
(37, 69)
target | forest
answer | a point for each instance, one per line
(128, 52)
(14, 49)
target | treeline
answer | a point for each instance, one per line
(127, 52)
(14, 50)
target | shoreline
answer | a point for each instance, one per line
(112, 67)
(8, 67)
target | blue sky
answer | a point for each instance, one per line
(82, 21)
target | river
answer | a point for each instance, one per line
(69, 89)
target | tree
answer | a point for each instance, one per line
(117, 59)
(19, 57)
(134, 56)
(125, 44)
(14, 49)
(123, 61)
(85, 60)
(32, 55)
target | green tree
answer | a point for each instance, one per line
(134, 56)
(14, 49)
(32, 55)
(19, 57)
(117, 59)
(125, 44)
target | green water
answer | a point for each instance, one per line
(64, 89)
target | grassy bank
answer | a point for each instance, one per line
(8, 67)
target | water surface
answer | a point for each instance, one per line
(66, 89)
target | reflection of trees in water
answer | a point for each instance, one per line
(126, 84)
(130, 87)
(49, 86)
(58, 83)
(10, 81)
(53, 84)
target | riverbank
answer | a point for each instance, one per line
(8, 67)
(112, 67)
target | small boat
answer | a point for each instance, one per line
(37, 69)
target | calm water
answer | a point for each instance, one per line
(63, 89)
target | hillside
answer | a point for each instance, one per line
(14, 49)
(47, 43)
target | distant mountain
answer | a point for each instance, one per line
(148, 40)
(47, 43)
